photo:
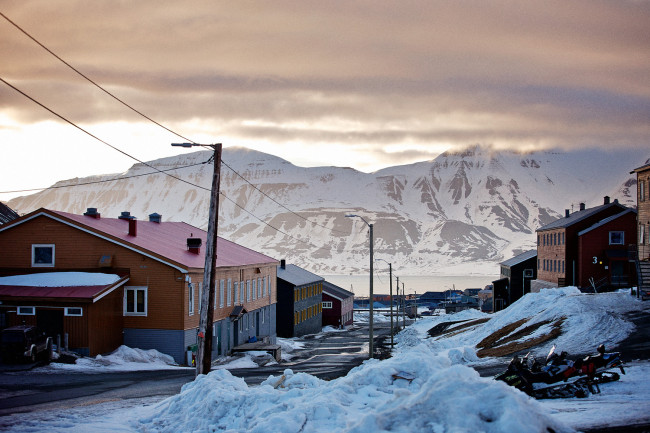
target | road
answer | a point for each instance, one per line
(326, 356)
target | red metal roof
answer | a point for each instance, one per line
(166, 239)
(60, 293)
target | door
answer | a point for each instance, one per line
(257, 323)
(50, 321)
(235, 333)
(618, 276)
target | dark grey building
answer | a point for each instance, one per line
(515, 277)
(299, 307)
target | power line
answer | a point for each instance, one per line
(95, 137)
(104, 180)
(154, 121)
(157, 170)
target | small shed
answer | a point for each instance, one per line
(338, 305)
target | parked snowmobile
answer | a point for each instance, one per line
(560, 377)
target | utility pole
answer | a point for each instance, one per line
(204, 350)
(404, 309)
(398, 300)
(390, 273)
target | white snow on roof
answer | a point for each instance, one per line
(60, 279)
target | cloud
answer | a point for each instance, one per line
(409, 76)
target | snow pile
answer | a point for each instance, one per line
(60, 279)
(584, 322)
(364, 316)
(124, 358)
(434, 396)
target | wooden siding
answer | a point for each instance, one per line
(643, 217)
(592, 256)
(105, 323)
(78, 250)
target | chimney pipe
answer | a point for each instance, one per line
(283, 264)
(567, 213)
(606, 200)
(582, 206)
(155, 217)
(133, 226)
(92, 212)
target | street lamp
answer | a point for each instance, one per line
(204, 349)
(370, 321)
(390, 273)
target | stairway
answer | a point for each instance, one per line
(643, 273)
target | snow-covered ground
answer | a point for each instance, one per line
(428, 384)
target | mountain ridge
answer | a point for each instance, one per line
(462, 212)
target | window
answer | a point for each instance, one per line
(641, 190)
(268, 286)
(222, 287)
(248, 290)
(43, 255)
(229, 292)
(254, 289)
(190, 300)
(616, 238)
(135, 301)
(74, 311)
(236, 292)
(327, 304)
(259, 287)
(26, 311)
(641, 234)
(263, 286)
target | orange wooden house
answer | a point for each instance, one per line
(152, 300)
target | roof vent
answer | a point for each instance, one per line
(194, 245)
(582, 206)
(125, 216)
(155, 217)
(92, 212)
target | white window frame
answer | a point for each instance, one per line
(26, 311)
(642, 236)
(68, 312)
(136, 289)
(259, 287)
(248, 291)
(236, 292)
(222, 289)
(190, 300)
(254, 290)
(229, 299)
(327, 304)
(616, 232)
(43, 265)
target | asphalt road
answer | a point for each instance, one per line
(326, 356)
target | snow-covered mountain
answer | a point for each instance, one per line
(459, 213)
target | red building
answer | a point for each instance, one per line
(152, 301)
(603, 252)
(338, 305)
(564, 247)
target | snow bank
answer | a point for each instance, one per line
(124, 358)
(585, 321)
(440, 397)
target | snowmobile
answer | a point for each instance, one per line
(560, 377)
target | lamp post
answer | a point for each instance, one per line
(204, 349)
(390, 273)
(370, 320)
(404, 309)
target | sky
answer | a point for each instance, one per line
(361, 84)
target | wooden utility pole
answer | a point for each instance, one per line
(204, 346)
(204, 351)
